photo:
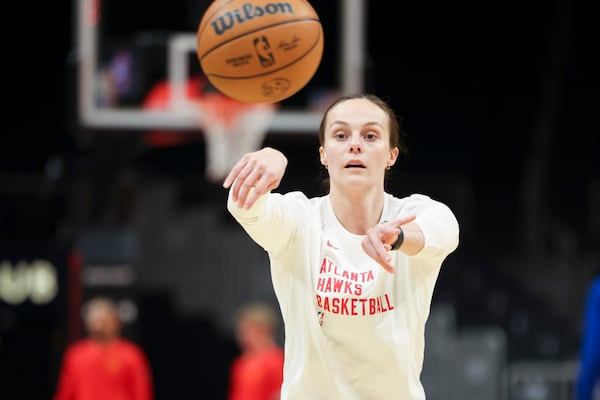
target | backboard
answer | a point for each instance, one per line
(140, 43)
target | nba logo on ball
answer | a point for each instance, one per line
(259, 51)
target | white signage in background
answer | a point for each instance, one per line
(35, 281)
(108, 275)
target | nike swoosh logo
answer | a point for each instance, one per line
(332, 246)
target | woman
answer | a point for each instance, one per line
(104, 365)
(257, 371)
(353, 270)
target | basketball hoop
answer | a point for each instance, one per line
(231, 129)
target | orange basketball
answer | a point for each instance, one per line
(259, 51)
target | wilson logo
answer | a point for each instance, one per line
(248, 12)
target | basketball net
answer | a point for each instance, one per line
(231, 129)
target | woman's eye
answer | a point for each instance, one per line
(370, 136)
(340, 135)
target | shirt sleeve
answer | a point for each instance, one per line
(437, 222)
(142, 376)
(274, 220)
(275, 368)
(65, 388)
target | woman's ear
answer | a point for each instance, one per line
(322, 156)
(393, 156)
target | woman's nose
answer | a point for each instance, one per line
(355, 145)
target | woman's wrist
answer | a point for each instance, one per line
(396, 245)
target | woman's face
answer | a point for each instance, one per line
(356, 147)
(103, 324)
(251, 334)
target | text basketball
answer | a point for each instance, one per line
(259, 51)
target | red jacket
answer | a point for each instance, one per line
(257, 376)
(93, 371)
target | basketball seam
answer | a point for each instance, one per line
(262, 28)
(310, 49)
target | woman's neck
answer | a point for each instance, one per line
(261, 346)
(357, 211)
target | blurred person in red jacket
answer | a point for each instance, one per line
(104, 365)
(257, 372)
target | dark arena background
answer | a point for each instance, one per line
(498, 99)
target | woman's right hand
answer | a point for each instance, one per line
(378, 241)
(255, 174)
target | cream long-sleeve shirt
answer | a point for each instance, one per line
(353, 331)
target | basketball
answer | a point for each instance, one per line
(259, 51)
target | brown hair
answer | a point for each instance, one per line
(258, 313)
(100, 305)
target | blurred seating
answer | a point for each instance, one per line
(488, 337)
(541, 380)
(462, 364)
